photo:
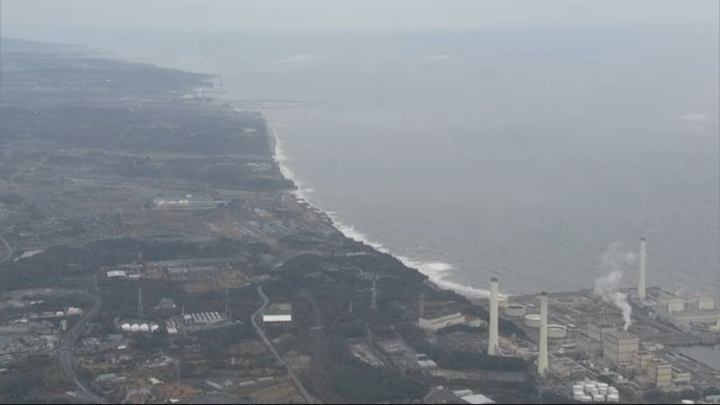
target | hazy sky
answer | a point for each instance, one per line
(21, 16)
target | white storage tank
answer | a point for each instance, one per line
(586, 398)
(578, 396)
(135, 328)
(515, 310)
(532, 321)
(125, 327)
(598, 398)
(153, 328)
(579, 387)
(589, 387)
(594, 392)
(687, 401)
(613, 398)
(556, 331)
(144, 328)
(602, 391)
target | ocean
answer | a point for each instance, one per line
(518, 155)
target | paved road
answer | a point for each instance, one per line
(270, 346)
(67, 345)
(7, 247)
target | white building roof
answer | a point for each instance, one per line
(463, 393)
(116, 274)
(277, 318)
(478, 399)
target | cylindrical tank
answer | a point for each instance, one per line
(135, 328)
(578, 387)
(503, 301)
(687, 401)
(602, 391)
(556, 331)
(598, 398)
(594, 392)
(144, 328)
(578, 396)
(153, 328)
(586, 398)
(613, 398)
(612, 390)
(532, 320)
(603, 385)
(515, 310)
(589, 387)
(126, 327)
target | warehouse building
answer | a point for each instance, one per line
(441, 321)
(278, 313)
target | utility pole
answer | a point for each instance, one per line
(141, 313)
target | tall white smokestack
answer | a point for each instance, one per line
(493, 340)
(543, 359)
(641, 283)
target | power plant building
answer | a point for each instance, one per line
(641, 360)
(680, 377)
(687, 309)
(588, 346)
(597, 331)
(660, 373)
(619, 347)
(591, 342)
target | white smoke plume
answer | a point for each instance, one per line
(613, 263)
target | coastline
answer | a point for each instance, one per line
(435, 271)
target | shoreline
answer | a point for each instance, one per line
(435, 271)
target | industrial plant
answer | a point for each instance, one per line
(626, 342)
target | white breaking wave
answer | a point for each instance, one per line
(437, 272)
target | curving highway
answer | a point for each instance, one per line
(270, 346)
(67, 345)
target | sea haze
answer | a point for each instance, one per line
(521, 155)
